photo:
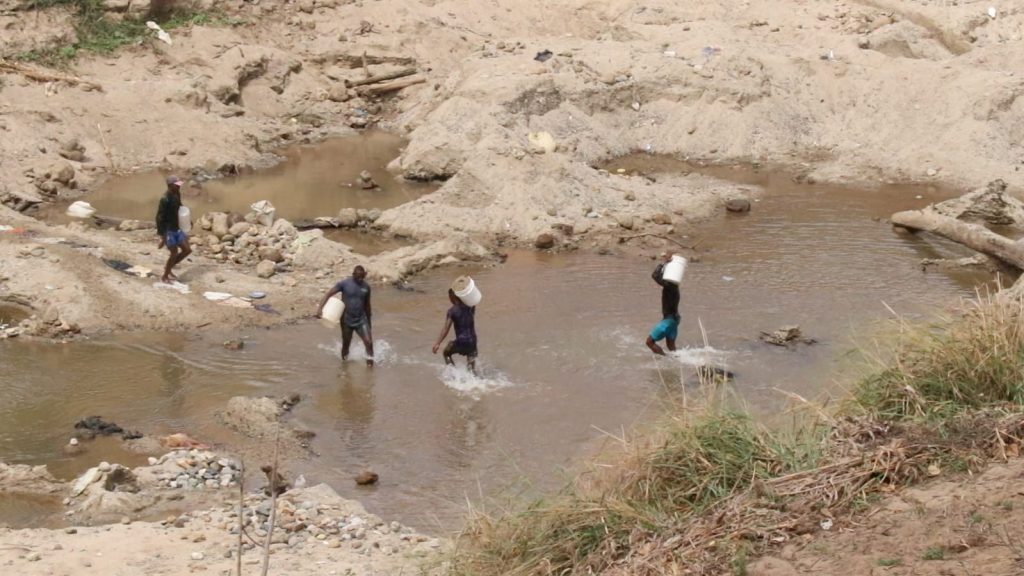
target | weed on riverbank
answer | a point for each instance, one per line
(99, 32)
(709, 489)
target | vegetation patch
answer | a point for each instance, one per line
(98, 31)
(712, 487)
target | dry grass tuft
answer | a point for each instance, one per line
(711, 486)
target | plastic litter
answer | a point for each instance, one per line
(265, 212)
(175, 285)
(216, 296)
(257, 295)
(160, 33)
(542, 141)
(80, 209)
(543, 56)
(992, 12)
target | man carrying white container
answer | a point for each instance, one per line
(169, 229)
(668, 328)
(355, 293)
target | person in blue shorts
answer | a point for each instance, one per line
(167, 228)
(668, 328)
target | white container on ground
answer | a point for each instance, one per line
(81, 209)
(674, 270)
(333, 310)
(466, 290)
(184, 219)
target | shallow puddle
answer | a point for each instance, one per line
(563, 362)
(11, 314)
(21, 511)
(366, 243)
(314, 180)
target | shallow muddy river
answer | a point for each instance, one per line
(312, 181)
(562, 356)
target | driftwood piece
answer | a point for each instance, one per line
(963, 220)
(974, 236)
(380, 78)
(378, 89)
(356, 60)
(41, 76)
(318, 222)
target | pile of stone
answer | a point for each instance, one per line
(246, 240)
(303, 518)
(196, 470)
(352, 217)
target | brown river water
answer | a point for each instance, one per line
(562, 355)
(312, 180)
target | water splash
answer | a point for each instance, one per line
(383, 353)
(704, 356)
(460, 379)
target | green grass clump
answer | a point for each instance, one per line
(695, 465)
(97, 32)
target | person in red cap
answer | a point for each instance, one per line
(167, 227)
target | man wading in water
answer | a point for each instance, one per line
(168, 229)
(668, 328)
(355, 293)
(462, 317)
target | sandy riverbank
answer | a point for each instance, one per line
(831, 90)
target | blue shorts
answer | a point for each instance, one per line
(175, 238)
(666, 329)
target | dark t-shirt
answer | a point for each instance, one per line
(462, 317)
(669, 294)
(354, 294)
(167, 214)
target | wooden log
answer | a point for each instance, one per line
(40, 76)
(973, 236)
(378, 89)
(356, 60)
(380, 78)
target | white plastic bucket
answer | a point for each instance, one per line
(674, 270)
(81, 209)
(333, 310)
(184, 219)
(466, 290)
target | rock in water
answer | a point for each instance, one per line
(234, 344)
(738, 205)
(367, 478)
(544, 241)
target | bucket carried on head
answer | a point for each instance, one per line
(465, 289)
(333, 310)
(674, 270)
(184, 219)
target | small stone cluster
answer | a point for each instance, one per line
(230, 237)
(198, 470)
(352, 217)
(306, 522)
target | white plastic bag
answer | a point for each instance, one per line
(265, 212)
